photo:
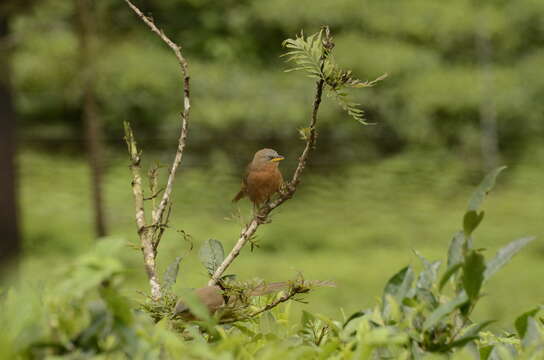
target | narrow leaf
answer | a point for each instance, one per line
(448, 274)
(533, 334)
(483, 189)
(504, 255)
(444, 310)
(485, 351)
(306, 319)
(171, 273)
(428, 276)
(455, 252)
(521, 321)
(211, 255)
(471, 220)
(470, 335)
(353, 316)
(473, 274)
(399, 284)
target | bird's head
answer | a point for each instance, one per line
(264, 156)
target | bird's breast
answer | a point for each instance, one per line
(263, 183)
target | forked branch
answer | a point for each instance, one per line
(150, 235)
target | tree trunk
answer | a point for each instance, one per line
(10, 243)
(91, 120)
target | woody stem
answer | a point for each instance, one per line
(249, 230)
(150, 236)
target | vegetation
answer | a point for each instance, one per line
(453, 106)
(431, 100)
(82, 312)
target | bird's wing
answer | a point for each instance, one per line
(242, 191)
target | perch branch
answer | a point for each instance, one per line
(150, 235)
(249, 230)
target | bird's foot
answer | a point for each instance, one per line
(262, 218)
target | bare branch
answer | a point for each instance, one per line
(144, 232)
(150, 236)
(159, 210)
(260, 218)
(247, 232)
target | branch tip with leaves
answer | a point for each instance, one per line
(313, 55)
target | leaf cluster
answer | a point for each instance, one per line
(435, 320)
(313, 55)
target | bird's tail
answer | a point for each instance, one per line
(238, 196)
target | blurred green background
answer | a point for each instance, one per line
(464, 94)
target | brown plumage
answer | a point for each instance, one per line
(209, 296)
(263, 177)
(213, 297)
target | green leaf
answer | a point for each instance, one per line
(473, 274)
(211, 255)
(244, 330)
(455, 252)
(399, 285)
(533, 335)
(485, 351)
(448, 274)
(428, 276)
(353, 316)
(483, 189)
(470, 335)
(427, 296)
(171, 273)
(471, 220)
(306, 319)
(504, 255)
(521, 321)
(444, 310)
(195, 305)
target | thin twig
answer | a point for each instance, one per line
(159, 211)
(294, 290)
(150, 236)
(249, 230)
(155, 194)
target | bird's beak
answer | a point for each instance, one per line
(279, 158)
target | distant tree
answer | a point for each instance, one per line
(10, 241)
(91, 120)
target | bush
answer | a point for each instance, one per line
(420, 316)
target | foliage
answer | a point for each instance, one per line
(82, 313)
(431, 99)
(307, 54)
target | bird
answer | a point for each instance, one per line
(262, 178)
(209, 296)
(214, 298)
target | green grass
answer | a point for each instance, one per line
(356, 228)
